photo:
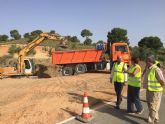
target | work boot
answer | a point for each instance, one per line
(156, 121)
(140, 112)
(117, 107)
(120, 100)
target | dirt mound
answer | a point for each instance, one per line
(43, 71)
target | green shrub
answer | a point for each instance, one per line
(13, 49)
(144, 52)
(161, 57)
(44, 48)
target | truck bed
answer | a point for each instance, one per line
(77, 56)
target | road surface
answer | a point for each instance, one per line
(107, 114)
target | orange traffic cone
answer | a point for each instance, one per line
(85, 117)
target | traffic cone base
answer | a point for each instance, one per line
(84, 120)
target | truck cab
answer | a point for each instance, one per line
(120, 49)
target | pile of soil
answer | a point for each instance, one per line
(50, 71)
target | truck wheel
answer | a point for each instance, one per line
(67, 71)
(80, 68)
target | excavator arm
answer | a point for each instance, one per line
(32, 45)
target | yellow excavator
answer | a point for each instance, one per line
(24, 66)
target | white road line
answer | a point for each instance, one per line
(69, 119)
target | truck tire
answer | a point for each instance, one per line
(67, 71)
(80, 68)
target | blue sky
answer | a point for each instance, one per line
(69, 17)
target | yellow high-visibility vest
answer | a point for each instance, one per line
(118, 72)
(136, 80)
(153, 84)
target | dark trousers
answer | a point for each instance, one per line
(133, 98)
(118, 90)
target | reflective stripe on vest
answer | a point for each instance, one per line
(136, 80)
(153, 84)
(118, 72)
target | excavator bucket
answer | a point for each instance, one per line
(63, 44)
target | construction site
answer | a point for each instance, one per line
(75, 62)
(51, 96)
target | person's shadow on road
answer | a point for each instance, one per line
(121, 114)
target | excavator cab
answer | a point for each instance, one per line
(28, 67)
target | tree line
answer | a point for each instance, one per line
(15, 35)
(146, 45)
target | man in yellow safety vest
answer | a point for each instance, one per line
(119, 78)
(153, 82)
(157, 63)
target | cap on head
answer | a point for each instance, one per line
(151, 58)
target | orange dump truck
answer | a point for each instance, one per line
(80, 61)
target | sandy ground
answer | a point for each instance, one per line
(50, 100)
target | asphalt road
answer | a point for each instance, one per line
(107, 114)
